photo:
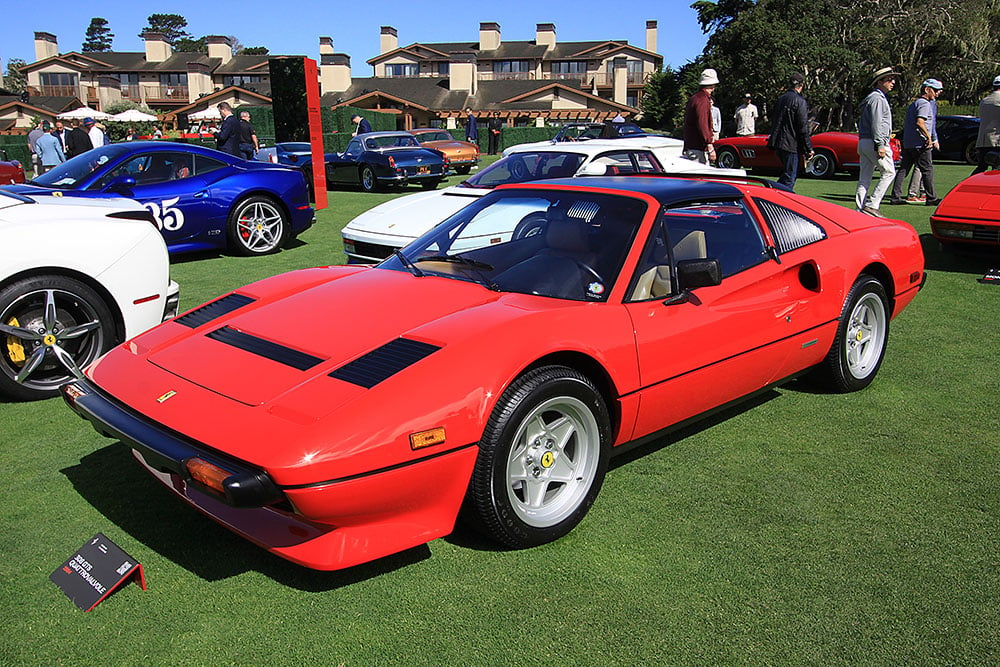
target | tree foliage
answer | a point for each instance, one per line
(98, 36)
(171, 26)
(14, 80)
(254, 51)
(661, 99)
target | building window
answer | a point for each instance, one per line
(442, 69)
(512, 69)
(633, 69)
(59, 79)
(241, 80)
(174, 79)
(569, 67)
(402, 70)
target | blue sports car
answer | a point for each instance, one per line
(199, 198)
(377, 159)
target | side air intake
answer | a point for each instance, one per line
(265, 348)
(213, 310)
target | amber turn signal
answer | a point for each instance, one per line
(435, 436)
(207, 474)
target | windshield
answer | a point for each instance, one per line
(68, 174)
(566, 245)
(390, 141)
(434, 136)
(527, 166)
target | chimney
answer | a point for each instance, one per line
(489, 36)
(199, 78)
(157, 47)
(620, 89)
(545, 35)
(462, 72)
(651, 36)
(334, 72)
(46, 45)
(388, 40)
(326, 46)
(220, 47)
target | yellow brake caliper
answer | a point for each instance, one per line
(14, 348)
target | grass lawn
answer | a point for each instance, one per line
(800, 528)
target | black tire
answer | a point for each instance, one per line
(532, 224)
(823, 165)
(727, 158)
(430, 184)
(542, 459)
(971, 154)
(257, 225)
(464, 169)
(862, 336)
(50, 328)
(369, 182)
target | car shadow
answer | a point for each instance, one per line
(113, 483)
(973, 261)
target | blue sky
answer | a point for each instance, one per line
(294, 28)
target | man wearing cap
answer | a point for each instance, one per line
(698, 144)
(790, 135)
(874, 132)
(989, 126)
(746, 117)
(919, 141)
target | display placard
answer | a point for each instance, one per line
(992, 277)
(95, 571)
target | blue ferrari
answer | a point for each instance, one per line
(199, 198)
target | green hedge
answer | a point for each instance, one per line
(16, 147)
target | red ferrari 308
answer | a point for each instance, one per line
(835, 151)
(969, 215)
(340, 414)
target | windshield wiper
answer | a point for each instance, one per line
(410, 266)
(465, 261)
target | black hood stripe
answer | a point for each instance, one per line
(265, 348)
(213, 310)
(384, 362)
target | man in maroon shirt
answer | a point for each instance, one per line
(698, 120)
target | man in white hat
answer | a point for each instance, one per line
(989, 126)
(874, 132)
(919, 141)
(746, 117)
(698, 132)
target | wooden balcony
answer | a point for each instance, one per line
(167, 94)
(59, 91)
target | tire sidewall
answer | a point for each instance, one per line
(842, 375)
(514, 406)
(369, 184)
(727, 159)
(828, 161)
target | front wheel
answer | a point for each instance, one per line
(822, 165)
(727, 159)
(862, 335)
(257, 226)
(971, 154)
(51, 327)
(542, 458)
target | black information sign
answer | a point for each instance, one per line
(95, 571)
(992, 277)
(289, 102)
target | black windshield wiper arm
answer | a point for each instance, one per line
(410, 266)
(457, 259)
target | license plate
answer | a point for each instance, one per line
(423, 170)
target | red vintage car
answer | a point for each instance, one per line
(835, 151)
(340, 414)
(11, 171)
(969, 215)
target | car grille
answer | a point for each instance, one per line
(984, 233)
(372, 250)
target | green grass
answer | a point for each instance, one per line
(800, 528)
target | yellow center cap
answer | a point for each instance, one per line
(49, 340)
(548, 458)
(859, 335)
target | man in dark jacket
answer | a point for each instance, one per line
(790, 136)
(228, 138)
(78, 141)
(363, 126)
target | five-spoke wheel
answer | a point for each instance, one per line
(257, 226)
(862, 335)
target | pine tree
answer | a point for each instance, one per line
(99, 36)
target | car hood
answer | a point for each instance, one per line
(288, 343)
(976, 198)
(409, 216)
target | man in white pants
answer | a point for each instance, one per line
(874, 132)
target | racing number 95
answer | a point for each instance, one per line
(166, 215)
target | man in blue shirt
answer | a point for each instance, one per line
(919, 141)
(874, 132)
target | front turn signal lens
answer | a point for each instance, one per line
(435, 436)
(208, 474)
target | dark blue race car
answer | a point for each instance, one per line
(378, 159)
(201, 199)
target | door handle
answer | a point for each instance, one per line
(201, 195)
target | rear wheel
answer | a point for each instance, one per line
(369, 183)
(51, 327)
(465, 169)
(822, 165)
(257, 226)
(862, 335)
(542, 458)
(727, 158)
(970, 153)
(430, 184)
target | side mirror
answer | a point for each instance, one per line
(120, 184)
(693, 273)
(593, 169)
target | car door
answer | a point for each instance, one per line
(344, 167)
(705, 348)
(167, 184)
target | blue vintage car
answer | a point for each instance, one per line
(379, 159)
(199, 198)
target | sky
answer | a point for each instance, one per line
(294, 28)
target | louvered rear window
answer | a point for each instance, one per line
(790, 230)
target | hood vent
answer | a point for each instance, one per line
(265, 348)
(384, 362)
(213, 310)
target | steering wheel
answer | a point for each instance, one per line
(519, 170)
(589, 269)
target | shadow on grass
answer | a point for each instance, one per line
(973, 261)
(114, 484)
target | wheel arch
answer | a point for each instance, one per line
(881, 272)
(89, 281)
(273, 196)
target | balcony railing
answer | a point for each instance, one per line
(131, 91)
(60, 91)
(607, 79)
(166, 93)
(506, 76)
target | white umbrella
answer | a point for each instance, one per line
(84, 112)
(133, 116)
(211, 113)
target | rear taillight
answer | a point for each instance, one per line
(392, 162)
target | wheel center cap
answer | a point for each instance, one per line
(858, 336)
(548, 458)
(49, 340)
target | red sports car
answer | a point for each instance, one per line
(835, 151)
(340, 414)
(11, 171)
(969, 215)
